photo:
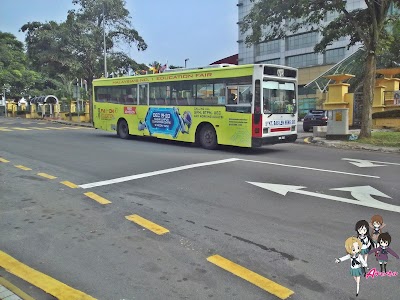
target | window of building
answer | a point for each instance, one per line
(303, 60)
(274, 61)
(268, 47)
(334, 55)
(303, 40)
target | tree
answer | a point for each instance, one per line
(13, 66)
(75, 47)
(273, 19)
(390, 57)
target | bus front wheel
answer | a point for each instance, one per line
(123, 129)
(208, 137)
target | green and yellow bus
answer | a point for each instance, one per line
(245, 106)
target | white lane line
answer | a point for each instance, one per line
(154, 173)
(308, 168)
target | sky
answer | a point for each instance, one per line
(202, 31)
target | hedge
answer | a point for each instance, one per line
(386, 114)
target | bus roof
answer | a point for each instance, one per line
(207, 72)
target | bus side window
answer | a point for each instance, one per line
(129, 99)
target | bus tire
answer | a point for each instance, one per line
(123, 129)
(208, 137)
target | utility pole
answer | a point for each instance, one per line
(186, 61)
(104, 41)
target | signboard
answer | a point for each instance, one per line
(129, 110)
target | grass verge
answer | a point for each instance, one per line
(383, 139)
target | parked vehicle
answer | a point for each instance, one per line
(315, 117)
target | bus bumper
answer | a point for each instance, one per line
(271, 140)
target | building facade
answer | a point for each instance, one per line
(296, 50)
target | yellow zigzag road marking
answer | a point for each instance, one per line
(267, 285)
(69, 184)
(46, 283)
(46, 176)
(157, 229)
(97, 198)
(23, 168)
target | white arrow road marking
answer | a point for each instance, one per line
(362, 163)
(364, 193)
(361, 194)
(307, 168)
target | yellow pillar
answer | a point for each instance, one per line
(87, 112)
(378, 103)
(391, 84)
(14, 109)
(337, 91)
(73, 106)
(9, 107)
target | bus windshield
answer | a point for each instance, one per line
(278, 97)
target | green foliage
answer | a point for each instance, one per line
(13, 67)
(387, 114)
(389, 57)
(74, 48)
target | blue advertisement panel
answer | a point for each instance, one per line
(166, 121)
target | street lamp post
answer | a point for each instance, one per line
(186, 61)
(104, 42)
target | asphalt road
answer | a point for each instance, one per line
(290, 236)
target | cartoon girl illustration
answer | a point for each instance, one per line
(362, 229)
(376, 225)
(353, 248)
(384, 241)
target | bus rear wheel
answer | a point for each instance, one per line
(208, 137)
(123, 129)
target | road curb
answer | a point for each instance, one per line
(14, 290)
(89, 125)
